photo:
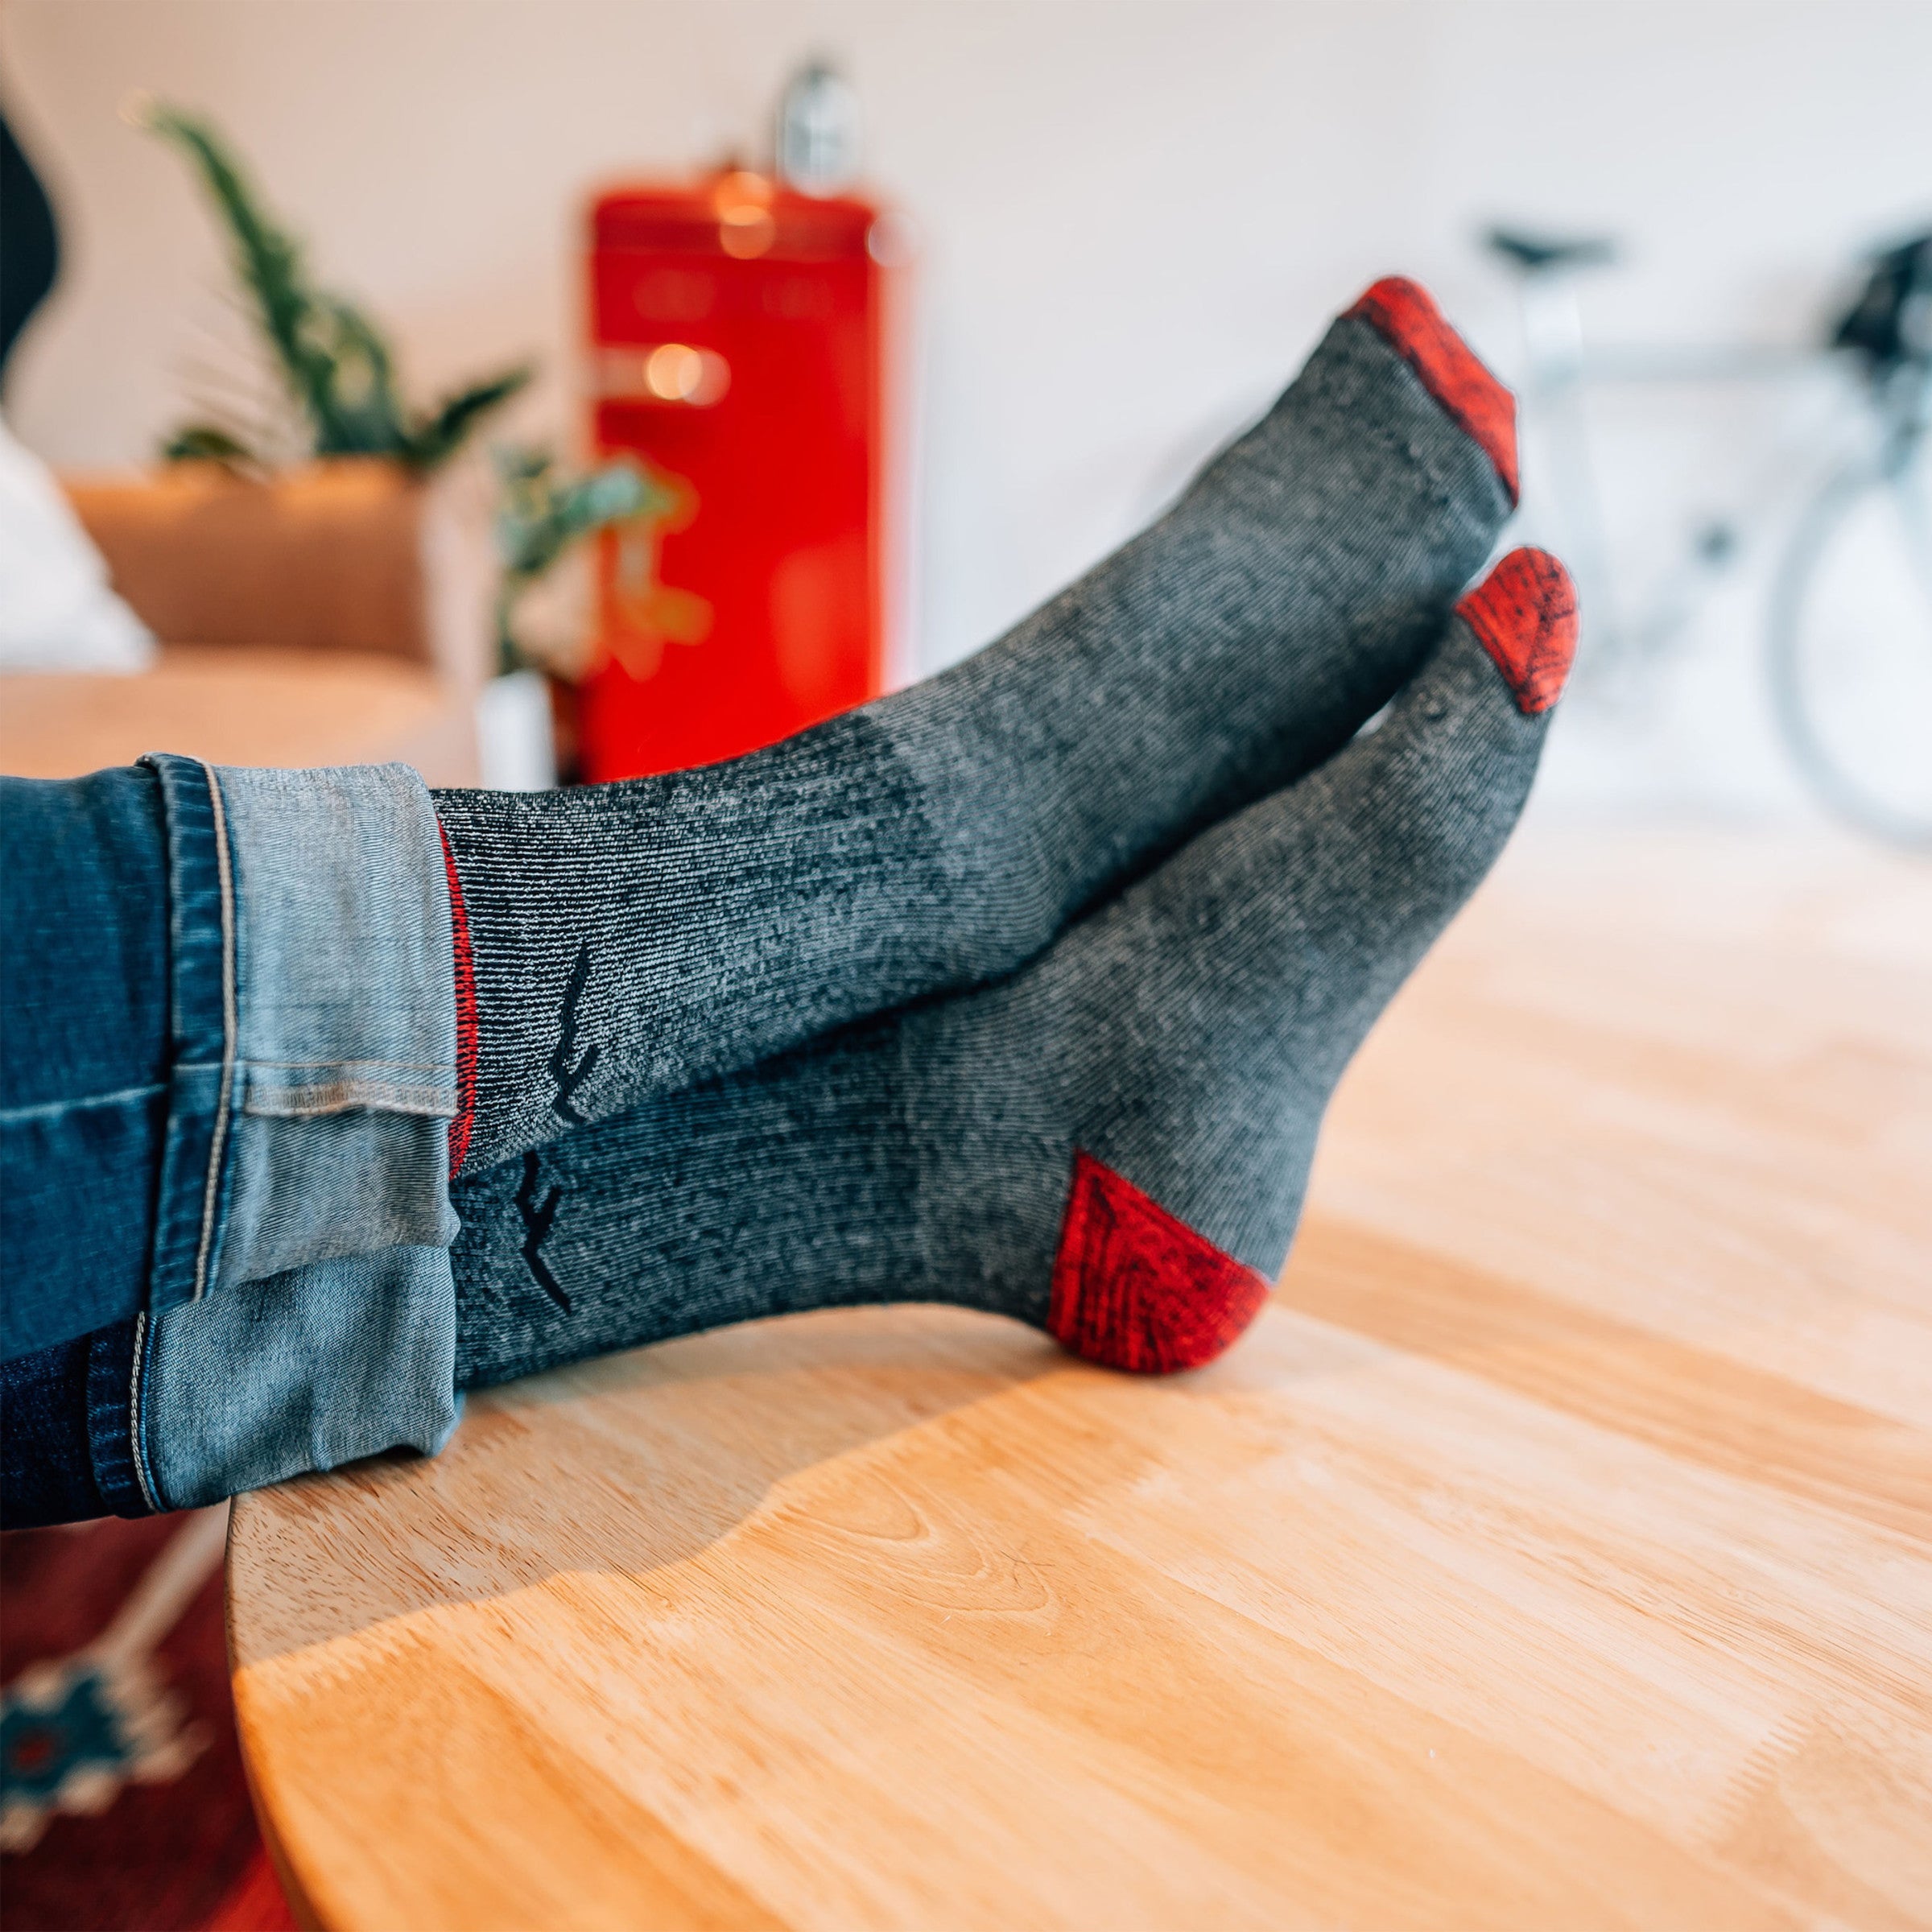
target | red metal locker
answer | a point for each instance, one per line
(739, 345)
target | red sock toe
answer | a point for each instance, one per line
(1447, 367)
(1134, 1288)
(1524, 614)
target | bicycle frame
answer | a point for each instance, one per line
(1561, 372)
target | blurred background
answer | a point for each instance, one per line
(1126, 224)
(1033, 262)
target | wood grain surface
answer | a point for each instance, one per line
(1555, 1552)
(232, 704)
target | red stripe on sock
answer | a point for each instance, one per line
(1449, 371)
(1524, 614)
(466, 1013)
(1134, 1288)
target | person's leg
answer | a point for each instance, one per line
(1112, 1144)
(627, 940)
(227, 1060)
(86, 1050)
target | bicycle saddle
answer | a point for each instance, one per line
(1533, 254)
(1888, 324)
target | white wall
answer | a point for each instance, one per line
(1138, 212)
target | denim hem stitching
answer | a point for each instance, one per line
(226, 874)
(309, 1099)
(205, 943)
(137, 1416)
(112, 1355)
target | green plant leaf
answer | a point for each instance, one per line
(366, 416)
(334, 358)
(268, 260)
(209, 442)
(441, 433)
(542, 514)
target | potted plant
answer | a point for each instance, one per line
(335, 361)
(349, 437)
(543, 513)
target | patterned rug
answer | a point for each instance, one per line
(123, 1806)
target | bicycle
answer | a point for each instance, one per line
(1848, 635)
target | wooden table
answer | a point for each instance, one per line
(1555, 1553)
(233, 704)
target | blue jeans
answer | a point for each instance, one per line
(227, 1065)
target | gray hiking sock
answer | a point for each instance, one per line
(1112, 1143)
(629, 939)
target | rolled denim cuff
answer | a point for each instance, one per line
(301, 1311)
(304, 1371)
(348, 1019)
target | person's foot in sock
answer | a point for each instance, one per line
(1113, 1143)
(627, 939)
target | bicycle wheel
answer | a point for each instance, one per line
(1850, 649)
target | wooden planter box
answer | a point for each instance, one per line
(335, 614)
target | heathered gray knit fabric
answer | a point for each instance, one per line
(1187, 1033)
(632, 939)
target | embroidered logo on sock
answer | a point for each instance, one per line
(1524, 614)
(1135, 1288)
(570, 1074)
(539, 1217)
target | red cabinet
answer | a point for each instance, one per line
(739, 349)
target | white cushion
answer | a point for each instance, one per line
(57, 610)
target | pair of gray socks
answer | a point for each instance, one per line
(1024, 988)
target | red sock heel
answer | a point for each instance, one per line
(1133, 1288)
